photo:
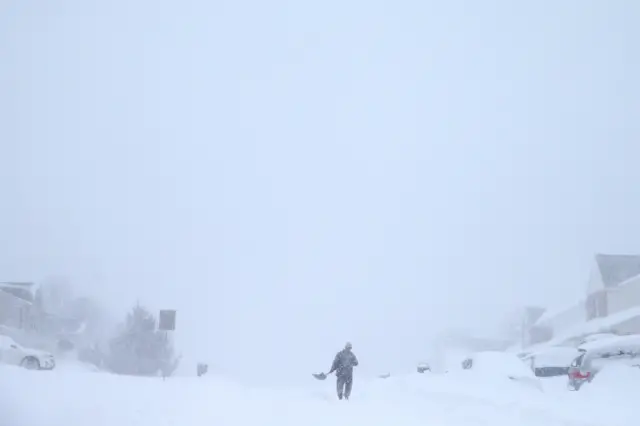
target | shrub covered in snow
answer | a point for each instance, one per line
(140, 349)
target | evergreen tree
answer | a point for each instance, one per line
(140, 349)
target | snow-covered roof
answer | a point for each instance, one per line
(22, 291)
(594, 326)
(628, 281)
(11, 284)
(617, 268)
(606, 323)
(558, 310)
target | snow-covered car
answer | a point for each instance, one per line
(551, 361)
(423, 367)
(588, 338)
(33, 359)
(595, 337)
(601, 353)
(502, 364)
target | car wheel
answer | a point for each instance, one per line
(30, 363)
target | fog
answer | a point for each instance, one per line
(293, 175)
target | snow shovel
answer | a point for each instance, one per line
(319, 376)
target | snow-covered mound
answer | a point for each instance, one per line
(75, 365)
(608, 400)
(80, 398)
(498, 363)
(495, 368)
(460, 386)
(620, 379)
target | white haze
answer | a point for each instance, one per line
(292, 175)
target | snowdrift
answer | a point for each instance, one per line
(76, 397)
(614, 379)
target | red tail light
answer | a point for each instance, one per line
(576, 374)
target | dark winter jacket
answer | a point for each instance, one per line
(343, 363)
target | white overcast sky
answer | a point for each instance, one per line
(290, 175)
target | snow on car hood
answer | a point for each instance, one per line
(501, 363)
(37, 353)
(555, 356)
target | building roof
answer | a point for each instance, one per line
(15, 284)
(617, 268)
(558, 310)
(22, 290)
(594, 326)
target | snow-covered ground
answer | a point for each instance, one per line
(75, 396)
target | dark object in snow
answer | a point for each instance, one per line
(422, 367)
(202, 369)
(551, 371)
(384, 376)
(320, 376)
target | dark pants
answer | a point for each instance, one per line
(344, 384)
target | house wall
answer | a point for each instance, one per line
(594, 283)
(14, 312)
(597, 305)
(624, 297)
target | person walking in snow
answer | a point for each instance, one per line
(343, 365)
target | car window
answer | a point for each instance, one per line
(578, 361)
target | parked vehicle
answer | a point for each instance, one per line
(423, 367)
(552, 361)
(588, 338)
(32, 359)
(501, 364)
(596, 355)
(596, 337)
